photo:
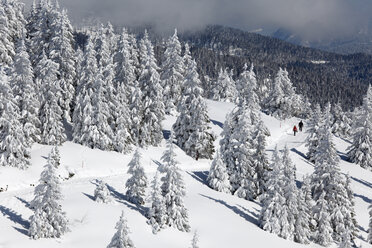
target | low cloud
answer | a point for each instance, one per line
(311, 19)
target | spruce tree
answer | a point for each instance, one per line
(7, 50)
(323, 233)
(360, 152)
(173, 191)
(191, 129)
(329, 185)
(218, 179)
(61, 51)
(224, 88)
(246, 87)
(102, 193)
(48, 219)
(283, 102)
(272, 213)
(52, 129)
(121, 237)
(25, 92)
(312, 140)
(137, 183)
(152, 96)
(91, 114)
(341, 125)
(156, 213)
(13, 144)
(172, 76)
(369, 238)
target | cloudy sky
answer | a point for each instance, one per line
(312, 19)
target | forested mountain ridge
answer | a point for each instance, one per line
(321, 76)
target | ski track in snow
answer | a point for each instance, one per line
(221, 220)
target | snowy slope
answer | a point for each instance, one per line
(221, 220)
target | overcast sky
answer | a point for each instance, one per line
(312, 19)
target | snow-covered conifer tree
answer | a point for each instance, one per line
(13, 145)
(48, 219)
(156, 212)
(125, 81)
(191, 129)
(312, 140)
(172, 76)
(173, 191)
(360, 152)
(369, 239)
(329, 185)
(25, 93)
(152, 96)
(283, 101)
(62, 52)
(272, 216)
(121, 237)
(102, 193)
(224, 88)
(218, 179)
(341, 125)
(195, 240)
(323, 233)
(52, 129)
(91, 113)
(302, 231)
(246, 87)
(7, 50)
(137, 183)
(260, 160)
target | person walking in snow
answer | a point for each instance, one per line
(294, 130)
(300, 125)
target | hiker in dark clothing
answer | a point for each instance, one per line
(294, 130)
(300, 125)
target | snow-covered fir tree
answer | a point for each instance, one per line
(52, 129)
(329, 185)
(341, 125)
(218, 179)
(323, 232)
(91, 113)
(260, 160)
(191, 129)
(173, 191)
(156, 213)
(224, 88)
(121, 238)
(152, 96)
(302, 231)
(137, 183)
(14, 11)
(25, 93)
(124, 81)
(7, 50)
(195, 240)
(360, 152)
(273, 216)
(48, 219)
(312, 140)
(283, 102)
(242, 173)
(246, 86)
(369, 238)
(102, 193)
(172, 76)
(102, 40)
(62, 52)
(13, 144)
(346, 241)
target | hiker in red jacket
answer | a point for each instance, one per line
(294, 130)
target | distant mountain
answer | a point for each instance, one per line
(360, 43)
(321, 76)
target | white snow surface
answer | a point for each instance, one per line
(221, 220)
